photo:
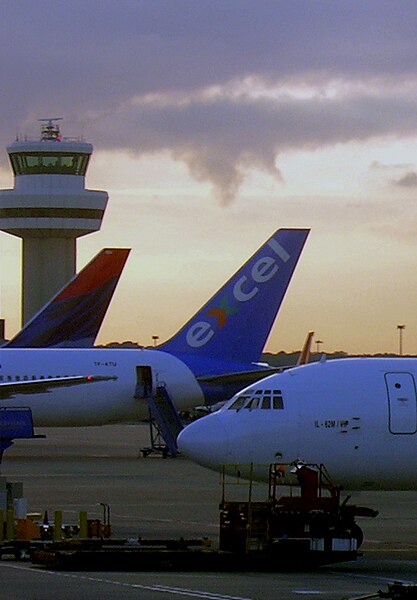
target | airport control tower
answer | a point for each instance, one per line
(49, 208)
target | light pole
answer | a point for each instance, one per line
(400, 338)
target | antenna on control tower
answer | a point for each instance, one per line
(50, 131)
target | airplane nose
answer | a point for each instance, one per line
(205, 442)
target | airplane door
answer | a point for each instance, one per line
(402, 402)
(143, 382)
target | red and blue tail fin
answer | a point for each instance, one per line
(234, 325)
(73, 317)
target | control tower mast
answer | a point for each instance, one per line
(49, 208)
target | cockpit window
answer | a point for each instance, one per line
(264, 399)
(252, 403)
(277, 402)
(238, 403)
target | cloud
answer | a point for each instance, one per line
(380, 166)
(222, 136)
(223, 87)
(409, 180)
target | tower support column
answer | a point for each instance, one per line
(47, 265)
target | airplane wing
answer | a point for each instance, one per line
(251, 376)
(41, 386)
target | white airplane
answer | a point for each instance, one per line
(358, 417)
(215, 352)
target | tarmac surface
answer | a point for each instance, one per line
(77, 469)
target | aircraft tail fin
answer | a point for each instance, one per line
(304, 357)
(235, 323)
(73, 317)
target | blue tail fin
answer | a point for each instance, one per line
(73, 317)
(234, 325)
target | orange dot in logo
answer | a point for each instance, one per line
(220, 315)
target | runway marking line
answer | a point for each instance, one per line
(376, 577)
(151, 588)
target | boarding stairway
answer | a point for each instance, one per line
(164, 423)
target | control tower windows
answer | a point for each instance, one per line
(46, 163)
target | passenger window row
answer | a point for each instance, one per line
(9, 378)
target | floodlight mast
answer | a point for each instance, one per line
(49, 208)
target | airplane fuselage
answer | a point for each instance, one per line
(356, 416)
(100, 403)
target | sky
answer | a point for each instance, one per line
(214, 123)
